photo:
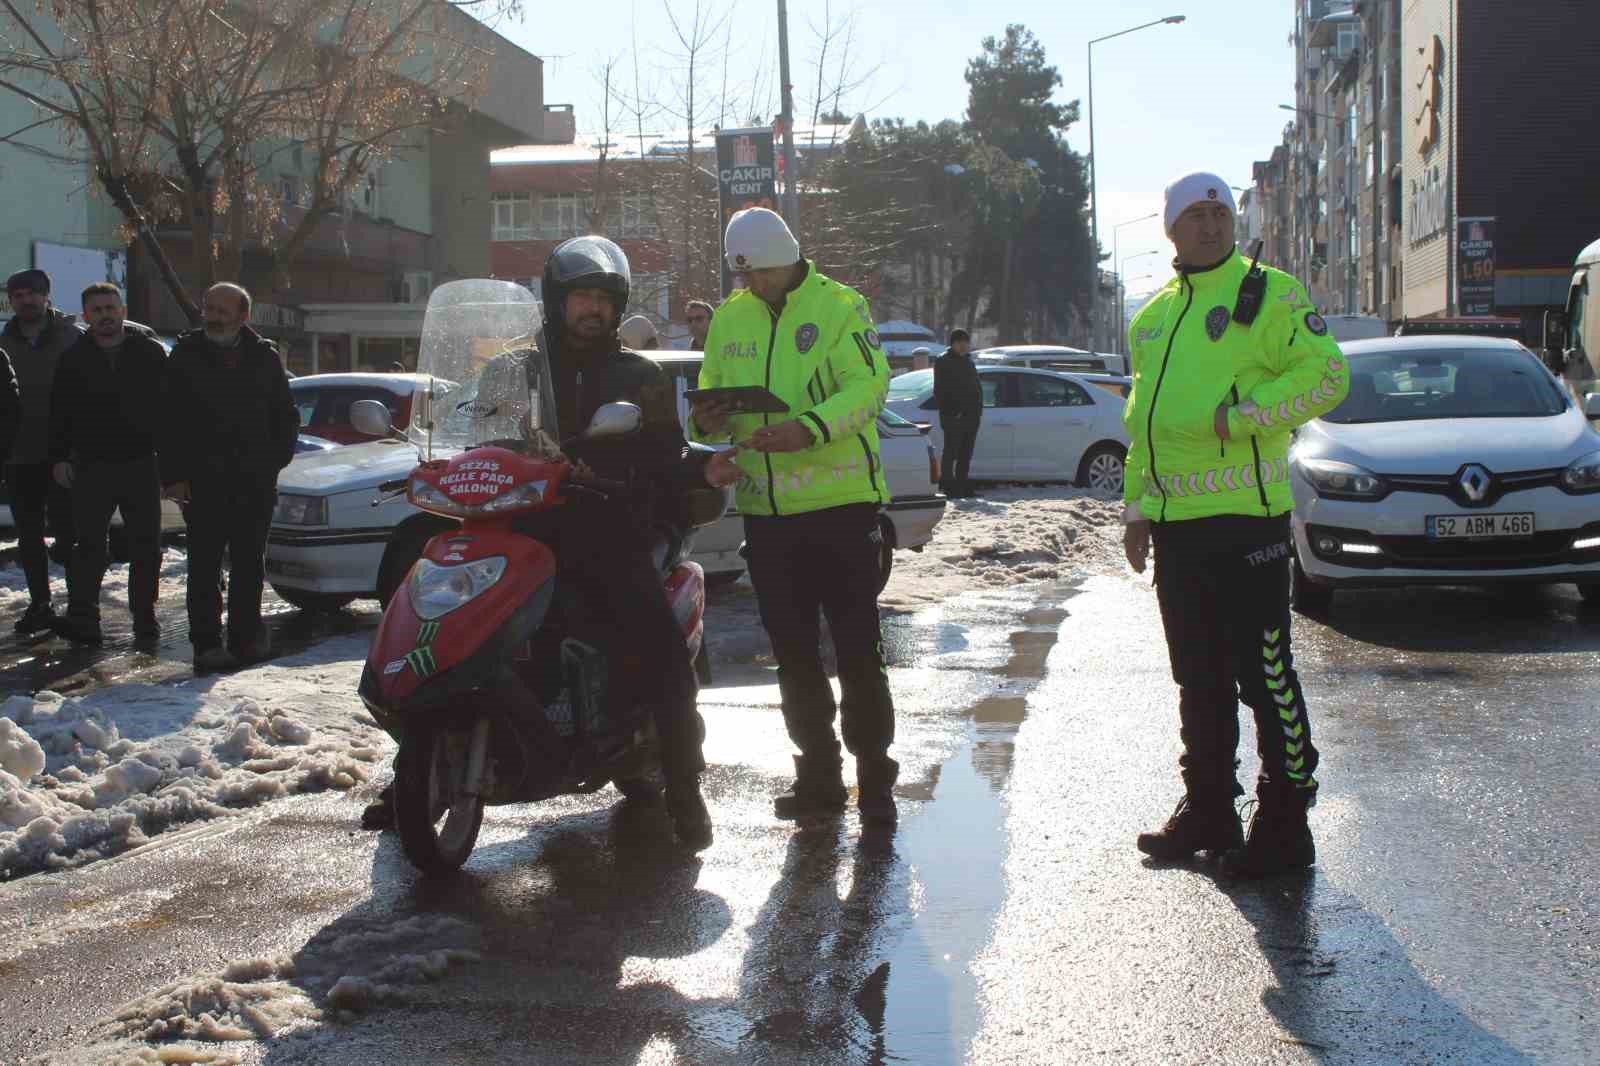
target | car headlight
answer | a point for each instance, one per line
(1583, 475)
(437, 590)
(293, 510)
(1341, 481)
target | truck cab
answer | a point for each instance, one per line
(1572, 335)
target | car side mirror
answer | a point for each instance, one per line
(1591, 405)
(1555, 340)
(372, 418)
(615, 420)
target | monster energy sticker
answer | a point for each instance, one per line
(421, 658)
(1216, 322)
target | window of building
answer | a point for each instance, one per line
(513, 216)
(651, 295)
(1355, 237)
(633, 215)
(561, 215)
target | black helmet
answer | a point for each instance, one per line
(585, 263)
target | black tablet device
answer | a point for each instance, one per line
(746, 399)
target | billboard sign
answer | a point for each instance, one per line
(746, 177)
(1475, 266)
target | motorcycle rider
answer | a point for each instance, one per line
(604, 548)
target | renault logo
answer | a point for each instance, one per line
(1474, 481)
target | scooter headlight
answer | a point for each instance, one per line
(437, 590)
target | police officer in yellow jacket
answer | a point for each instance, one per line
(810, 495)
(1228, 359)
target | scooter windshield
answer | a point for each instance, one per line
(487, 380)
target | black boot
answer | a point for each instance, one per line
(818, 789)
(690, 818)
(875, 779)
(379, 814)
(1206, 822)
(37, 618)
(1279, 838)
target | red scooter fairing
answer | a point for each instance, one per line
(686, 593)
(408, 650)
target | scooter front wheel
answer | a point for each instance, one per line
(438, 818)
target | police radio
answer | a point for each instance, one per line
(1252, 290)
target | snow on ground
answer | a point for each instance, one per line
(359, 966)
(86, 777)
(1011, 536)
(113, 592)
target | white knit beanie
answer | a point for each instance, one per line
(1196, 188)
(758, 239)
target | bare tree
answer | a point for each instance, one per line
(181, 108)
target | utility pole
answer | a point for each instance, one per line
(791, 198)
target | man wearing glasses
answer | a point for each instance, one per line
(698, 314)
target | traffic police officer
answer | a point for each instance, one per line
(810, 492)
(1229, 358)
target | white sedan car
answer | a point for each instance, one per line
(1038, 425)
(1454, 460)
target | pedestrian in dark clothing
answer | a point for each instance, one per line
(32, 342)
(230, 426)
(105, 408)
(958, 395)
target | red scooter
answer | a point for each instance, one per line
(478, 669)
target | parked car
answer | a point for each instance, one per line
(1356, 327)
(1053, 357)
(1454, 460)
(1038, 425)
(341, 531)
(324, 402)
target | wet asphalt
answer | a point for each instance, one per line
(1453, 917)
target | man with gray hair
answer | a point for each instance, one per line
(231, 426)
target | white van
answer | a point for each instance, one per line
(1053, 357)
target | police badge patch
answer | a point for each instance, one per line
(873, 340)
(1216, 322)
(1316, 324)
(805, 337)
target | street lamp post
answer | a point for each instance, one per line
(1122, 294)
(1116, 233)
(1094, 191)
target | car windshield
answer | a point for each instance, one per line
(910, 384)
(1399, 384)
(889, 418)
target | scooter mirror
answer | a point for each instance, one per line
(615, 420)
(371, 417)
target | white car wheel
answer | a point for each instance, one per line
(1102, 468)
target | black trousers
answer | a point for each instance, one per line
(38, 506)
(960, 438)
(825, 561)
(1223, 586)
(98, 489)
(227, 517)
(619, 595)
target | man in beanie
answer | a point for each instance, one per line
(1208, 483)
(33, 342)
(810, 492)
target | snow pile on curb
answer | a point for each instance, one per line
(350, 967)
(1011, 536)
(83, 778)
(170, 585)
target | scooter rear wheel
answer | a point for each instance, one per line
(438, 825)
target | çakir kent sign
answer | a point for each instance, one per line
(747, 174)
(1475, 266)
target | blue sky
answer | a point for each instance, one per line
(1203, 94)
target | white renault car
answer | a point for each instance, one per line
(1454, 460)
(344, 531)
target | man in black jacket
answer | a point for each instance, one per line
(958, 395)
(231, 426)
(33, 341)
(105, 408)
